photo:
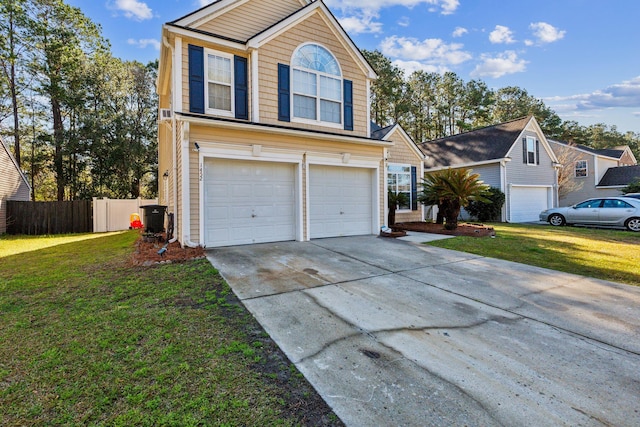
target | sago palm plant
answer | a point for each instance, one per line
(452, 189)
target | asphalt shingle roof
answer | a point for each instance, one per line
(489, 143)
(621, 175)
(378, 132)
(615, 153)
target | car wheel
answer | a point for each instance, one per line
(556, 220)
(633, 224)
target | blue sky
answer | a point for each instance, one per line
(582, 57)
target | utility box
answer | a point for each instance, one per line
(154, 218)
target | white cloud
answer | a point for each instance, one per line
(501, 34)
(204, 3)
(446, 7)
(404, 21)
(434, 51)
(144, 43)
(411, 66)
(545, 33)
(133, 9)
(620, 95)
(361, 24)
(459, 32)
(500, 65)
(359, 16)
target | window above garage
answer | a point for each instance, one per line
(317, 85)
(218, 83)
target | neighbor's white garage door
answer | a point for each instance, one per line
(528, 202)
(341, 201)
(248, 202)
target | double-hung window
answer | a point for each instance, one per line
(317, 85)
(219, 83)
(581, 169)
(531, 151)
(399, 181)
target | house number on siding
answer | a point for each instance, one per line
(200, 172)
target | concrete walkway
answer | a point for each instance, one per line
(392, 333)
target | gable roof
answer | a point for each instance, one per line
(378, 132)
(307, 8)
(615, 153)
(12, 159)
(213, 9)
(481, 145)
(383, 134)
(620, 176)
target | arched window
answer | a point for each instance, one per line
(317, 85)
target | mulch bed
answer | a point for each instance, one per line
(146, 253)
(464, 229)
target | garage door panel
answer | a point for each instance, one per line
(248, 202)
(527, 203)
(341, 201)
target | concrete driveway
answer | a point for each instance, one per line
(392, 333)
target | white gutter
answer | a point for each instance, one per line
(467, 165)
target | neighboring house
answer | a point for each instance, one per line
(265, 126)
(514, 157)
(593, 172)
(13, 184)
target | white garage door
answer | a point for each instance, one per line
(528, 202)
(341, 201)
(248, 202)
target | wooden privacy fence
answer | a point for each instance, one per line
(39, 218)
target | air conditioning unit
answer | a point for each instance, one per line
(165, 114)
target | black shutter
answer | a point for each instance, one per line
(241, 87)
(196, 79)
(284, 102)
(414, 188)
(524, 150)
(348, 105)
(537, 152)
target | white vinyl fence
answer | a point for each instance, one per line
(113, 214)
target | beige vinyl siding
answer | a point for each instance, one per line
(402, 153)
(279, 51)
(626, 160)
(204, 134)
(12, 185)
(209, 136)
(248, 19)
(185, 66)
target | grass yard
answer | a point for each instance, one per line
(89, 339)
(604, 254)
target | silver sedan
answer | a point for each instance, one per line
(607, 211)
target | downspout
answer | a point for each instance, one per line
(173, 145)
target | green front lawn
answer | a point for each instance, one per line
(88, 339)
(604, 254)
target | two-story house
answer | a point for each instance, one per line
(594, 172)
(264, 131)
(514, 157)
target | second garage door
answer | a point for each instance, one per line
(248, 202)
(341, 201)
(528, 202)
